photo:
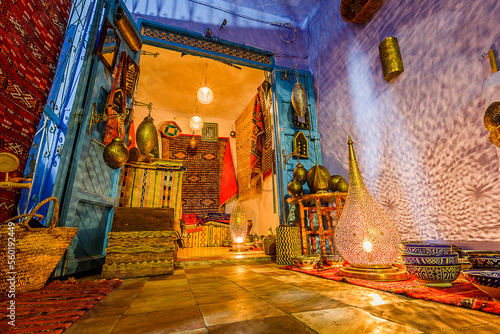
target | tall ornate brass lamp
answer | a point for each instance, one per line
(365, 236)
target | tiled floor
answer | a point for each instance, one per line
(261, 298)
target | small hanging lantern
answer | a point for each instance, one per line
(192, 143)
(205, 95)
(299, 99)
(116, 153)
(146, 135)
(390, 57)
(196, 123)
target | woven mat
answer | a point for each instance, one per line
(32, 35)
(462, 293)
(55, 307)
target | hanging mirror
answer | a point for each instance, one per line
(109, 43)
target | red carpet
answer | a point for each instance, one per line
(462, 293)
(53, 308)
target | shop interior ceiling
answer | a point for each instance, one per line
(171, 80)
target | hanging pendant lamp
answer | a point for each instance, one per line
(146, 136)
(205, 94)
(299, 98)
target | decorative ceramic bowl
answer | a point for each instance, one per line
(425, 249)
(332, 260)
(436, 276)
(491, 262)
(485, 280)
(306, 261)
(430, 260)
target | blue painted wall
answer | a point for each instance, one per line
(420, 141)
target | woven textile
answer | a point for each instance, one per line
(249, 184)
(55, 307)
(32, 35)
(156, 185)
(267, 138)
(206, 236)
(462, 293)
(201, 181)
(228, 184)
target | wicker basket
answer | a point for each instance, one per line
(364, 14)
(35, 253)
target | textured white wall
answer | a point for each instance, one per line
(420, 141)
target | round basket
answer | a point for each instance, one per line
(349, 15)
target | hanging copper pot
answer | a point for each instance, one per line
(300, 173)
(145, 136)
(115, 154)
(299, 99)
(295, 188)
(318, 179)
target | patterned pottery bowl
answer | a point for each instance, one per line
(332, 260)
(486, 280)
(430, 260)
(436, 276)
(306, 261)
(426, 249)
(490, 262)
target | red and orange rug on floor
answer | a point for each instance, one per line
(54, 308)
(462, 293)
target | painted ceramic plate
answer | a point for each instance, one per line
(170, 129)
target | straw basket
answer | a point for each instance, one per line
(29, 255)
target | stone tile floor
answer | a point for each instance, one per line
(261, 298)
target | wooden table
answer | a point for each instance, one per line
(312, 203)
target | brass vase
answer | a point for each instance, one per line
(146, 137)
(115, 154)
(299, 99)
(300, 173)
(318, 179)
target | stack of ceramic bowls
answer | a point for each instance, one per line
(434, 265)
(484, 272)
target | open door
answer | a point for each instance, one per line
(86, 186)
(293, 133)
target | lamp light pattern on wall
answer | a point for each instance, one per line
(364, 235)
(423, 146)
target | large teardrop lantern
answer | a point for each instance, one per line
(365, 236)
(238, 227)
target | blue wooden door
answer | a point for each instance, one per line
(285, 130)
(86, 186)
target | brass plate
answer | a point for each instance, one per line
(389, 274)
(8, 162)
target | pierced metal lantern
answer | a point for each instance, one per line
(116, 153)
(299, 99)
(146, 136)
(238, 225)
(492, 122)
(365, 236)
(390, 57)
(318, 179)
(300, 173)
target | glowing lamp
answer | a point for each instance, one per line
(205, 95)
(238, 227)
(365, 236)
(196, 123)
